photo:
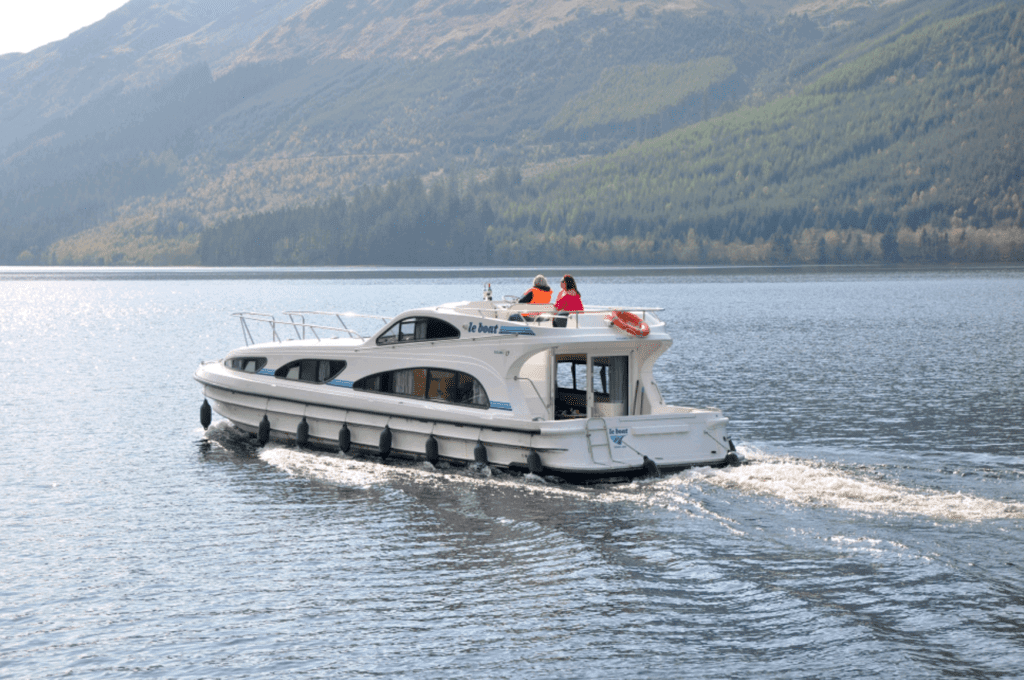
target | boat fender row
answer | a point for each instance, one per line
(480, 453)
(384, 445)
(732, 459)
(302, 433)
(344, 438)
(651, 468)
(205, 414)
(264, 433)
(533, 462)
(432, 450)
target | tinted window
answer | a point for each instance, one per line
(417, 328)
(247, 364)
(310, 370)
(435, 384)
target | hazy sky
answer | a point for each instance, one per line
(28, 24)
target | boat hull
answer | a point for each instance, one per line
(580, 450)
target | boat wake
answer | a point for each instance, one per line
(810, 483)
(358, 473)
(797, 481)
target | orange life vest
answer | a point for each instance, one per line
(540, 297)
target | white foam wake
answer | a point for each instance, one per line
(348, 472)
(813, 483)
(795, 480)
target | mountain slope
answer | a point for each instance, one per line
(904, 145)
(136, 136)
(916, 132)
(167, 118)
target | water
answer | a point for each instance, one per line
(876, 531)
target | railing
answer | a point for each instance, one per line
(302, 329)
(547, 314)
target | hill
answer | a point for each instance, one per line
(902, 147)
(331, 132)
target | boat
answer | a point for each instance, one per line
(494, 383)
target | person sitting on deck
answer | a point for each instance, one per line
(540, 294)
(569, 299)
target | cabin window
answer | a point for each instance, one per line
(311, 370)
(246, 364)
(415, 329)
(433, 384)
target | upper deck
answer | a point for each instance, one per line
(452, 321)
(530, 361)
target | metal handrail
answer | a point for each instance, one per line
(300, 326)
(530, 380)
(301, 323)
(256, 316)
(297, 321)
(600, 310)
(500, 308)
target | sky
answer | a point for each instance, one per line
(28, 24)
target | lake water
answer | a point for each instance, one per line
(875, 532)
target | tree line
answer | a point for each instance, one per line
(402, 223)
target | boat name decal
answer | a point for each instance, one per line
(503, 405)
(266, 371)
(617, 434)
(340, 383)
(483, 328)
(497, 329)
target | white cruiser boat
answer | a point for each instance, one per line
(470, 383)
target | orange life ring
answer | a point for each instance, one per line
(629, 322)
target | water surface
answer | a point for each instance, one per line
(876, 531)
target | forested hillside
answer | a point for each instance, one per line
(668, 132)
(907, 147)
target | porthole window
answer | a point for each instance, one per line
(416, 329)
(433, 384)
(246, 364)
(311, 370)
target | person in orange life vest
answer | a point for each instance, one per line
(569, 299)
(540, 294)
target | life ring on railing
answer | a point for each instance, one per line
(629, 322)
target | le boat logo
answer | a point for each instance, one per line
(617, 435)
(483, 328)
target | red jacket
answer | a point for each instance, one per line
(570, 303)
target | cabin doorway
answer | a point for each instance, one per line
(610, 386)
(586, 386)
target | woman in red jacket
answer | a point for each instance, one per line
(569, 299)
